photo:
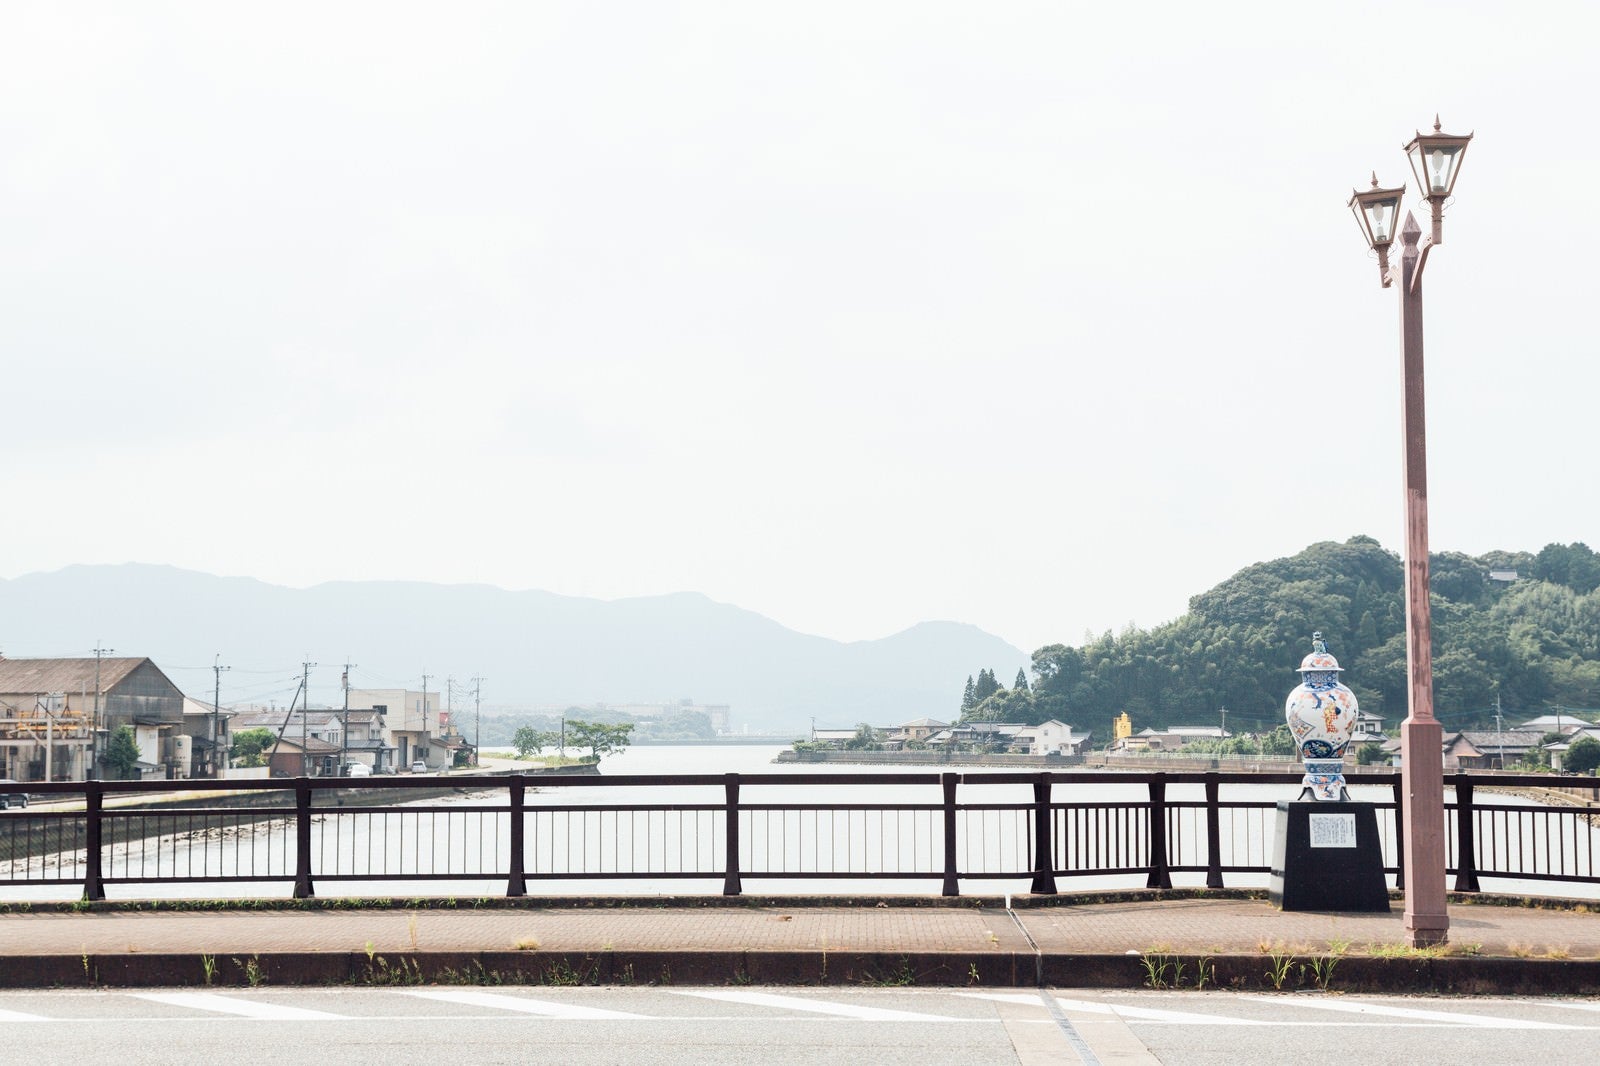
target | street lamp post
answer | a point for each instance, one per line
(1436, 162)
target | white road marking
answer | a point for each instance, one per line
(1375, 1010)
(18, 1016)
(521, 1004)
(244, 1007)
(815, 1006)
(1120, 1010)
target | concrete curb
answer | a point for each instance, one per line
(1244, 973)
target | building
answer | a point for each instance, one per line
(210, 737)
(408, 722)
(1170, 739)
(56, 714)
(1489, 749)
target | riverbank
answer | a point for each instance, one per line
(927, 758)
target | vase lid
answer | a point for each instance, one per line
(1319, 660)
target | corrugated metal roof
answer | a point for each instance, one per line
(30, 677)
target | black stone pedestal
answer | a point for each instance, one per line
(1328, 858)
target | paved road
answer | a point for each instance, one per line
(467, 1026)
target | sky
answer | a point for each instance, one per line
(1041, 317)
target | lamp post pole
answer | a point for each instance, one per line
(1436, 163)
(1427, 921)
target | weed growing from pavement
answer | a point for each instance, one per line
(1162, 970)
(1322, 967)
(403, 972)
(899, 977)
(208, 969)
(476, 975)
(1282, 966)
(252, 971)
(559, 973)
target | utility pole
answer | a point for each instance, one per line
(1498, 731)
(1224, 723)
(477, 718)
(94, 726)
(218, 756)
(305, 714)
(344, 724)
(425, 677)
(449, 700)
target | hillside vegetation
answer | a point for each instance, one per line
(1534, 643)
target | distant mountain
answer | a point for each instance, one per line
(533, 648)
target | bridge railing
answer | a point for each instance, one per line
(1005, 831)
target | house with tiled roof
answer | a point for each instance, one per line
(55, 715)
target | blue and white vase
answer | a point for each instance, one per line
(1321, 714)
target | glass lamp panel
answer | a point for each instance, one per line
(1435, 166)
(1380, 218)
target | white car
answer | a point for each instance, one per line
(358, 769)
(419, 767)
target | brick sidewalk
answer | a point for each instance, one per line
(1198, 926)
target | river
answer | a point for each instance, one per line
(416, 841)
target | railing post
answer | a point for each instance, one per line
(730, 883)
(302, 838)
(1159, 877)
(1213, 832)
(952, 885)
(517, 883)
(1466, 837)
(1399, 832)
(1044, 866)
(93, 812)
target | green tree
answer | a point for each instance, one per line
(1583, 756)
(600, 738)
(866, 738)
(529, 741)
(1021, 683)
(122, 751)
(249, 746)
(968, 701)
(986, 686)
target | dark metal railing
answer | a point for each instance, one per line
(945, 828)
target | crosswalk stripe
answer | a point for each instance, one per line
(19, 1016)
(1378, 1011)
(522, 1004)
(1119, 1010)
(814, 1006)
(247, 1008)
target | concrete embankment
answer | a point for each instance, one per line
(46, 833)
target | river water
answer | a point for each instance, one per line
(844, 832)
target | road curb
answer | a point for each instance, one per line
(1245, 973)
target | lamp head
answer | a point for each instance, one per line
(1377, 212)
(1436, 161)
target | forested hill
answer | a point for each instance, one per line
(1535, 642)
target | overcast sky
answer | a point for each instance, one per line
(1038, 316)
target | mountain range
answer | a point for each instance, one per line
(533, 648)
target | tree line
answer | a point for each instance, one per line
(1533, 644)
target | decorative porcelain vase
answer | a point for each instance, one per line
(1321, 715)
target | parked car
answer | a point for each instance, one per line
(355, 769)
(8, 797)
(419, 767)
